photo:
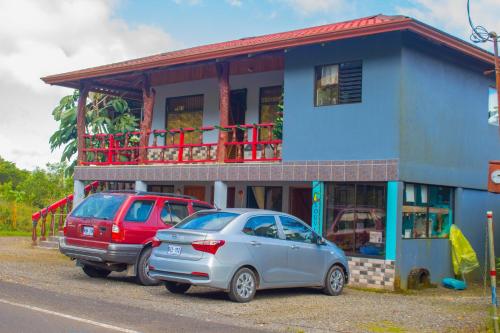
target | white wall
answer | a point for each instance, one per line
(209, 88)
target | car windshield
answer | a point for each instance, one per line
(99, 206)
(210, 221)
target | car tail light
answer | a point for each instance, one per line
(209, 246)
(65, 227)
(116, 233)
(155, 242)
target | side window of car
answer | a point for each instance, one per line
(173, 212)
(296, 231)
(261, 226)
(139, 211)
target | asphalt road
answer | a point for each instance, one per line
(27, 309)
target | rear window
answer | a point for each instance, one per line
(99, 206)
(210, 221)
(139, 211)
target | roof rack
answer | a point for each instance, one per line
(182, 196)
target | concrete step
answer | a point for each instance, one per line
(47, 244)
(53, 238)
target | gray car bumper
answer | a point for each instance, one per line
(115, 253)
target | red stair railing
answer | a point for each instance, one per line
(61, 206)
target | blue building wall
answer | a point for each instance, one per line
(366, 130)
(445, 135)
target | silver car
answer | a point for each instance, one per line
(242, 250)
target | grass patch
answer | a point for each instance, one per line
(384, 326)
(14, 233)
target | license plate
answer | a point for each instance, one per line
(88, 231)
(174, 250)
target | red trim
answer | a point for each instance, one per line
(266, 43)
(117, 149)
(493, 273)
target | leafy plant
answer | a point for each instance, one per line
(103, 114)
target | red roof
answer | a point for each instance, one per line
(354, 28)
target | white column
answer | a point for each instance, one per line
(78, 192)
(220, 194)
(141, 186)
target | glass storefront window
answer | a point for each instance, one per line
(355, 217)
(427, 211)
(265, 197)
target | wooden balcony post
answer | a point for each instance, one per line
(148, 100)
(224, 91)
(80, 122)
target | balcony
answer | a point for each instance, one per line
(238, 143)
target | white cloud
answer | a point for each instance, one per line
(309, 7)
(235, 3)
(451, 15)
(39, 38)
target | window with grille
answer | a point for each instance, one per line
(185, 112)
(338, 83)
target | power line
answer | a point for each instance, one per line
(479, 33)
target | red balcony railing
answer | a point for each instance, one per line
(246, 143)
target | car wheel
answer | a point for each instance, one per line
(177, 287)
(243, 286)
(95, 272)
(335, 280)
(143, 269)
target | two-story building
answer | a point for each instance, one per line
(384, 143)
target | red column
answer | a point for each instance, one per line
(224, 91)
(80, 122)
(148, 100)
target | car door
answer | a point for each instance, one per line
(139, 222)
(305, 257)
(267, 249)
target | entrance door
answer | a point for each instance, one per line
(238, 108)
(301, 203)
(195, 191)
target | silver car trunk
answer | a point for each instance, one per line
(176, 243)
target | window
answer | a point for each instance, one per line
(270, 98)
(355, 217)
(262, 226)
(161, 188)
(338, 84)
(209, 221)
(427, 211)
(297, 231)
(265, 197)
(492, 106)
(185, 112)
(139, 211)
(173, 213)
(99, 206)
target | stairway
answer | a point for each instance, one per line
(51, 243)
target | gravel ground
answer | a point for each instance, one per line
(289, 310)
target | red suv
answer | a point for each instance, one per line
(113, 231)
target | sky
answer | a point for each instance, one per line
(43, 37)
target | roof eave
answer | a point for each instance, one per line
(399, 25)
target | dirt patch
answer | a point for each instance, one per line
(288, 310)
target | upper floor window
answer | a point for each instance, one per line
(185, 112)
(492, 107)
(338, 83)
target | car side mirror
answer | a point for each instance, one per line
(320, 240)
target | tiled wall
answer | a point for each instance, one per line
(363, 170)
(372, 273)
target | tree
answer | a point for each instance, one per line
(103, 114)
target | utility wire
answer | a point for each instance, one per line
(479, 33)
